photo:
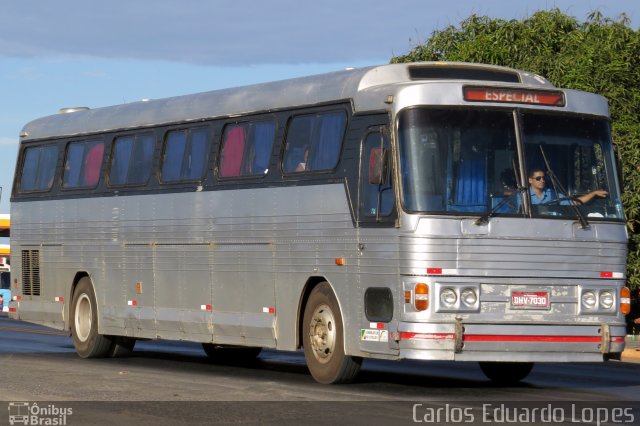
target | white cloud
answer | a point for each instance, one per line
(249, 32)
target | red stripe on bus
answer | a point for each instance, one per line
(532, 338)
(404, 335)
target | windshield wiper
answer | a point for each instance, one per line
(556, 184)
(485, 217)
(519, 189)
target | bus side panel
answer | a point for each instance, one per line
(315, 228)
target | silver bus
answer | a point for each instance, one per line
(387, 212)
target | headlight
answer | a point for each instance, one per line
(469, 297)
(589, 299)
(448, 297)
(606, 299)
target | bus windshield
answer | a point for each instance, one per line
(465, 161)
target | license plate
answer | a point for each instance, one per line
(530, 299)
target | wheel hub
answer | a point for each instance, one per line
(322, 333)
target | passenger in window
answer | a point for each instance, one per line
(304, 164)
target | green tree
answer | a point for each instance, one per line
(600, 55)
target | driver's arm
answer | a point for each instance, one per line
(588, 197)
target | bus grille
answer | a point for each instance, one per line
(31, 272)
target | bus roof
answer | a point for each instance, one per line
(355, 85)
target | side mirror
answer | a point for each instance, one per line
(378, 166)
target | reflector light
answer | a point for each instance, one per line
(434, 271)
(269, 310)
(206, 307)
(17, 298)
(341, 261)
(421, 298)
(59, 299)
(407, 296)
(513, 96)
(610, 274)
(625, 300)
(12, 310)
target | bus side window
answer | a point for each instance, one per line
(132, 160)
(39, 168)
(83, 164)
(328, 141)
(314, 142)
(185, 155)
(246, 149)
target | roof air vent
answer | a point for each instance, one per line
(72, 109)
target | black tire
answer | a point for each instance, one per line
(323, 339)
(121, 347)
(225, 354)
(506, 373)
(84, 323)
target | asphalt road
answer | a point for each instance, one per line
(174, 383)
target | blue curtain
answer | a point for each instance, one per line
(327, 150)
(264, 135)
(471, 181)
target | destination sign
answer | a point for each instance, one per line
(514, 96)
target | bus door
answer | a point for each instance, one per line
(378, 260)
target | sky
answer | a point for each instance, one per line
(69, 53)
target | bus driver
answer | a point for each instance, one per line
(541, 194)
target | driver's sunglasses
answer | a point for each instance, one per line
(539, 178)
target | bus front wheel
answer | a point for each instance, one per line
(323, 339)
(84, 323)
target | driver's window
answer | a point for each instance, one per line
(377, 198)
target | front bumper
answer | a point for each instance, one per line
(510, 342)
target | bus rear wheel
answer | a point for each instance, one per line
(323, 339)
(506, 373)
(84, 323)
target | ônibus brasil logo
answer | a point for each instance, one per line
(26, 413)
